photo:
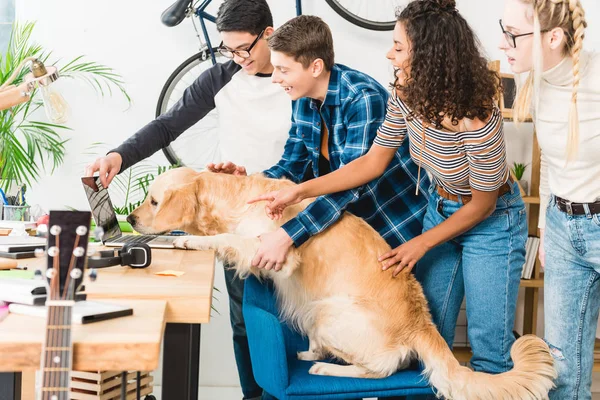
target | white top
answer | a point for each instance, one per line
(578, 180)
(255, 117)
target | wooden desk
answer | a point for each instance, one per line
(188, 297)
(188, 303)
(121, 344)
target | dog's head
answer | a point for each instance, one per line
(172, 203)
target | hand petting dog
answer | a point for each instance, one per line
(273, 250)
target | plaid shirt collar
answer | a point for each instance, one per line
(333, 91)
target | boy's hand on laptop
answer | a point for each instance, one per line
(109, 166)
(227, 168)
(279, 200)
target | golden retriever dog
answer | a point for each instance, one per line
(332, 288)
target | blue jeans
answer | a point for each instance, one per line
(483, 264)
(235, 290)
(571, 298)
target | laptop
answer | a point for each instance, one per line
(106, 218)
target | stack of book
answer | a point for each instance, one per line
(531, 256)
(21, 294)
(19, 287)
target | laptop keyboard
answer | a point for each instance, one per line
(132, 239)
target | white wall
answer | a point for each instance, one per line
(128, 36)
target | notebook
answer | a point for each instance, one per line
(84, 312)
(16, 287)
(12, 244)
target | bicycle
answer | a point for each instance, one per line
(203, 135)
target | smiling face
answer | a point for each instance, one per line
(291, 75)
(399, 54)
(260, 57)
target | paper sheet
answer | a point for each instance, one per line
(169, 272)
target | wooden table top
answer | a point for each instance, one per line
(128, 343)
(188, 297)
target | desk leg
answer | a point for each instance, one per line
(10, 386)
(181, 362)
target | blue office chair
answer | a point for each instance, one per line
(273, 348)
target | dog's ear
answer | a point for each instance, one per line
(177, 208)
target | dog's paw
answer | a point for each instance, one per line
(192, 243)
(180, 243)
(320, 368)
(308, 356)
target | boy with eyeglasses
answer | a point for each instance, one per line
(254, 118)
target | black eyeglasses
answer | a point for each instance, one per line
(229, 53)
(511, 38)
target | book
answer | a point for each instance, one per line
(17, 255)
(6, 224)
(84, 312)
(32, 299)
(21, 243)
(531, 255)
(18, 287)
(3, 310)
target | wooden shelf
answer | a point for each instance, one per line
(531, 199)
(507, 115)
(532, 283)
(462, 354)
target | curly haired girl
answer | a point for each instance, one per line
(473, 243)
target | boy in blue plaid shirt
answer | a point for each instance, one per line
(336, 113)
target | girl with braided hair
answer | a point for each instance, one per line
(544, 38)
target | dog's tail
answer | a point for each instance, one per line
(530, 379)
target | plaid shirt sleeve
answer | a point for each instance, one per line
(295, 158)
(364, 115)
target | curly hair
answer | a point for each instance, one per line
(449, 76)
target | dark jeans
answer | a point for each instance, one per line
(235, 290)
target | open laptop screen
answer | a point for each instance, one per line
(101, 206)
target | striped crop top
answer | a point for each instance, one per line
(457, 161)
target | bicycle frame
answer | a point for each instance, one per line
(203, 15)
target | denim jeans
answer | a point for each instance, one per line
(484, 264)
(235, 290)
(571, 298)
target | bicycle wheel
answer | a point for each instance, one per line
(199, 145)
(374, 15)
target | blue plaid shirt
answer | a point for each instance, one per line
(353, 109)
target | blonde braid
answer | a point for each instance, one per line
(579, 25)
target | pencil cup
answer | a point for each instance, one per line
(16, 213)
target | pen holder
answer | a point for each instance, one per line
(16, 213)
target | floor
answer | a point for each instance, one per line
(234, 393)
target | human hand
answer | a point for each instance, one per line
(227, 168)
(109, 166)
(404, 256)
(279, 200)
(273, 250)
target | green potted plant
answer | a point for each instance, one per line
(29, 146)
(518, 169)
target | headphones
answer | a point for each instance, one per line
(135, 255)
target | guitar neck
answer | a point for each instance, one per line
(58, 354)
(67, 245)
